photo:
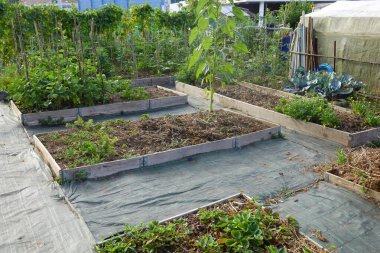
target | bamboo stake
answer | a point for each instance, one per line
(16, 47)
(21, 42)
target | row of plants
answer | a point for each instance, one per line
(51, 86)
(236, 225)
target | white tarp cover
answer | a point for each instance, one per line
(355, 26)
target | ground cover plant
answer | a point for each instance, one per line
(360, 165)
(87, 143)
(236, 225)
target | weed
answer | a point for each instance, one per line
(366, 110)
(375, 144)
(80, 176)
(145, 116)
(90, 144)
(59, 180)
(278, 135)
(341, 156)
(51, 122)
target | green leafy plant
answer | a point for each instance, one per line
(51, 122)
(247, 228)
(85, 146)
(212, 30)
(341, 156)
(145, 116)
(366, 110)
(291, 12)
(80, 176)
(316, 110)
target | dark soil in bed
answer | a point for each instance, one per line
(147, 136)
(214, 222)
(350, 122)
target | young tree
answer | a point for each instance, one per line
(215, 39)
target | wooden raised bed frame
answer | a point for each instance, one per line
(113, 167)
(312, 129)
(242, 195)
(32, 119)
(334, 179)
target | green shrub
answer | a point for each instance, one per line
(316, 110)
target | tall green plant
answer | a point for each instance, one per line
(215, 41)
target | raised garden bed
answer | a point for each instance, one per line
(102, 149)
(233, 224)
(160, 97)
(260, 102)
(357, 170)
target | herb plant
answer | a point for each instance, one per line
(367, 111)
(316, 110)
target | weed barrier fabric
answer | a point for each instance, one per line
(159, 192)
(33, 214)
(351, 223)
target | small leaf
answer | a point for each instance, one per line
(229, 27)
(236, 234)
(202, 24)
(240, 47)
(193, 35)
(200, 5)
(238, 13)
(207, 42)
(200, 69)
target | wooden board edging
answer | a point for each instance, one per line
(46, 157)
(312, 129)
(334, 179)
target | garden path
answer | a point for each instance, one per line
(33, 214)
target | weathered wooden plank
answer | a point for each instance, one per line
(32, 119)
(167, 102)
(365, 137)
(334, 179)
(15, 110)
(121, 107)
(312, 129)
(179, 153)
(46, 157)
(105, 169)
(261, 135)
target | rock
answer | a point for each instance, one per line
(3, 95)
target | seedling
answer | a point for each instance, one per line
(80, 176)
(51, 122)
(145, 116)
(341, 156)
